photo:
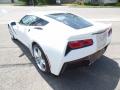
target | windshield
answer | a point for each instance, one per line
(70, 20)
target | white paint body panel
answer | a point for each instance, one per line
(54, 37)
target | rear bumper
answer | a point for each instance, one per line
(86, 60)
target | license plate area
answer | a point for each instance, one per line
(101, 40)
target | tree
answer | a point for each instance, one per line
(30, 2)
(12, 1)
(38, 2)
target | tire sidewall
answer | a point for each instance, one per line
(43, 56)
(11, 33)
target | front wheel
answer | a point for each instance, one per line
(11, 33)
(40, 59)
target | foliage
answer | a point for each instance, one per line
(38, 2)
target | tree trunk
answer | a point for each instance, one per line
(12, 1)
(82, 2)
(32, 2)
(29, 2)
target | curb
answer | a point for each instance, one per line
(108, 20)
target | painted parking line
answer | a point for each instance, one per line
(16, 65)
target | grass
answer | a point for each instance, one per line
(19, 3)
(40, 3)
(92, 5)
(86, 5)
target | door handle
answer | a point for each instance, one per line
(39, 28)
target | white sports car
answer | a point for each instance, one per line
(58, 38)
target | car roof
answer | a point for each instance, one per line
(44, 13)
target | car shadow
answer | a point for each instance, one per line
(104, 74)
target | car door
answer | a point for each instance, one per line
(27, 25)
(24, 28)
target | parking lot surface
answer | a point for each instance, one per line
(18, 71)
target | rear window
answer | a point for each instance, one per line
(71, 20)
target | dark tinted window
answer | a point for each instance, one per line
(33, 21)
(70, 20)
(25, 20)
(38, 21)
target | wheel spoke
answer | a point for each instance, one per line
(39, 59)
(42, 64)
(39, 53)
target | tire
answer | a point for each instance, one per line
(12, 35)
(40, 59)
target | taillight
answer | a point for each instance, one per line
(80, 43)
(75, 44)
(110, 32)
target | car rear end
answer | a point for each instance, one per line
(87, 40)
(88, 46)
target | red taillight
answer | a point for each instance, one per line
(88, 42)
(80, 43)
(75, 44)
(110, 32)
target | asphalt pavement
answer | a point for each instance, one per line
(18, 71)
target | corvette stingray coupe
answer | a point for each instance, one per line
(56, 39)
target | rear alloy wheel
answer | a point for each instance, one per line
(40, 59)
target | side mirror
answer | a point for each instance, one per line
(13, 23)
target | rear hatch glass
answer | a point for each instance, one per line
(71, 20)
